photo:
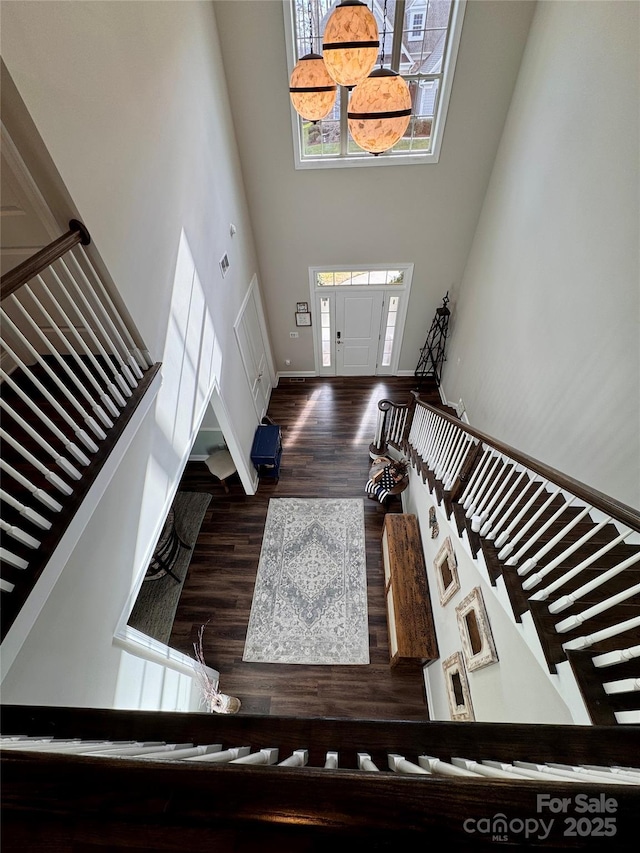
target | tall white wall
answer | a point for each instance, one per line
(425, 214)
(545, 349)
(131, 103)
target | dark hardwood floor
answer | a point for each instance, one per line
(327, 425)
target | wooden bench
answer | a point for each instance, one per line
(412, 637)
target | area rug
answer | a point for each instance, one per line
(310, 599)
(155, 608)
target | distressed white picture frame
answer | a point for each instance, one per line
(458, 693)
(446, 568)
(476, 636)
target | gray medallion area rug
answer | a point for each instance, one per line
(310, 599)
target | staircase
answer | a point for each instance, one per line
(169, 781)
(73, 372)
(565, 557)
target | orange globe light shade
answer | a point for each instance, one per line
(379, 110)
(350, 43)
(312, 91)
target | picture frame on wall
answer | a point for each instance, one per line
(446, 569)
(302, 307)
(476, 636)
(303, 318)
(458, 693)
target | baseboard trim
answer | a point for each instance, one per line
(294, 374)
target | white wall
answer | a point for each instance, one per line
(425, 214)
(516, 688)
(545, 349)
(130, 101)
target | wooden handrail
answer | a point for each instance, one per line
(33, 266)
(610, 506)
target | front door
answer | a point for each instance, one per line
(358, 317)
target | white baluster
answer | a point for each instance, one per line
(623, 685)
(224, 757)
(71, 448)
(552, 542)
(399, 764)
(96, 408)
(496, 520)
(477, 478)
(604, 634)
(264, 756)
(39, 494)
(570, 599)
(616, 657)
(111, 388)
(632, 773)
(125, 377)
(60, 461)
(25, 511)
(443, 768)
(484, 487)
(139, 750)
(558, 771)
(187, 752)
(447, 464)
(458, 460)
(482, 769)
(331, 761)
(128, 343)
(19, 535)
(80, 434)
(525, 772)
(89, 421)
(491, 496)
(416, 426)
(365, 763)
(427, 425)
(13, 559)
(536, 577)
(6, 586)
(437, 431)
(298, 758)
(575, 621)
(445, 448)
(86, 326)
(50, 476)
(507, 549)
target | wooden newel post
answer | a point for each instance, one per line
(379, 445)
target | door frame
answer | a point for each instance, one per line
(403, 290)
(253, 291)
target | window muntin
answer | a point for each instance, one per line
(423, 51)
(359, 278)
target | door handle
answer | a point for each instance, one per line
(338, 341)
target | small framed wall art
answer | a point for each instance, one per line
(458, 693)
(303, 318)
(475, 631)
(446, 567)
(302, 307)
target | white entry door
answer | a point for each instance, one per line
(358, 318)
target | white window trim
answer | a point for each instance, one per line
(403, 290)
(386, 159)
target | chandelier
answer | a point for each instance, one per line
(312, 91)
(380, 102)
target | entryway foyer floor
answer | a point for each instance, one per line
(327, 426)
